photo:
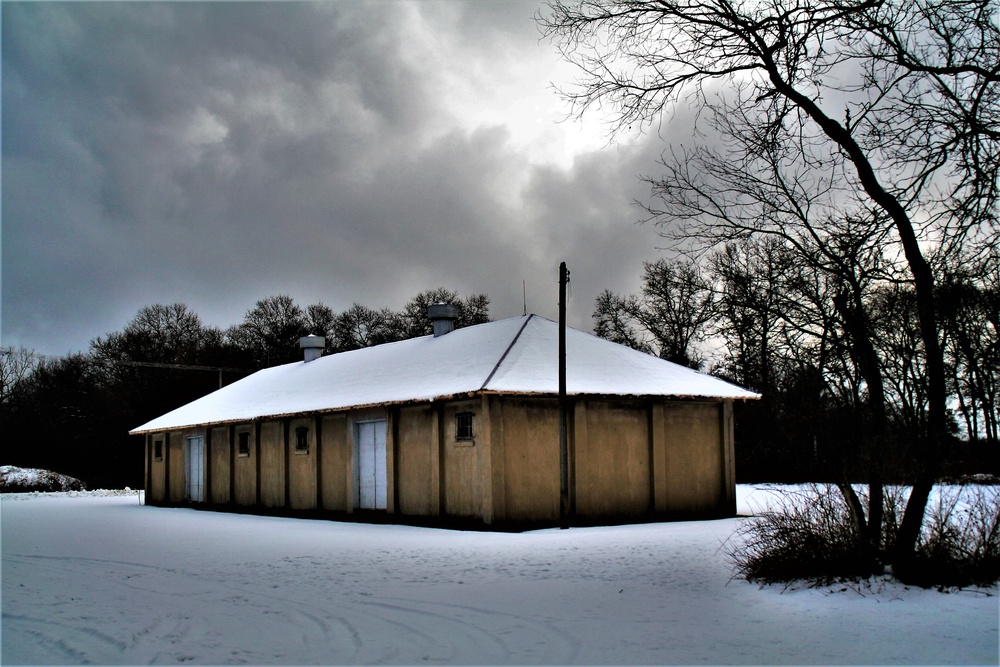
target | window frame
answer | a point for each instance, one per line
(243, 443)
(157, 450)
(301, 439)
(465, 432)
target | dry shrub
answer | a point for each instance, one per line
(960, 541)
(809, 537)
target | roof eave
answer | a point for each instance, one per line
(442, 397)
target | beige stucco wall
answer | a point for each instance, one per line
(627, 458)
(417, 454)
(175, 452)
(530, 433)
(689, 440)
(491, 442)
(156, 492)
(461, 469)
(245, 467)
(335, 472)
(611, 458)
(219, 466)
(302, 466)
(272, 464)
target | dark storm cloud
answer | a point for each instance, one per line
(218, 153)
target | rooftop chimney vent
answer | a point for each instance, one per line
(443, 316)
(312, 346)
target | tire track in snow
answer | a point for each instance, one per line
(423, 630)
(495, 637)
(78, 644)
(353, 627)
(437, 633)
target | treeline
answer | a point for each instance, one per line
(820, 347)
(750, 312)
(72, 414)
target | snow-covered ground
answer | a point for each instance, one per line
(102, 579)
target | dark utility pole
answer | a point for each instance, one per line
(563, 440)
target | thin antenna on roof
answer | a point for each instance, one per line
(524, 297)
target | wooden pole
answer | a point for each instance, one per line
(563, 439)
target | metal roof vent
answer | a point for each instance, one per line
(312, 346)
(443, 316)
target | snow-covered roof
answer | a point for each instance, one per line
(512, 356)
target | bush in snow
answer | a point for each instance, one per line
(24, 480)
(809, 536)
(960, 542)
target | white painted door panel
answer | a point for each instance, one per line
(371, 480)
(194, 469)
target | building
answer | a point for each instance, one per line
(462, 426)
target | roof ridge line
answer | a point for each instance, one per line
(506, 352)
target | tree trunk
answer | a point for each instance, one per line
(909, 528)
(856, 509)
(929, 448)
(858, 325)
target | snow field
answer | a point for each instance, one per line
(102, 579)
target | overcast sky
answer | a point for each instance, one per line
(215, 154)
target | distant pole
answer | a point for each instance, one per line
(563, 438)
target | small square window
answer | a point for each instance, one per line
(302, 439)
(463, 426)
(244, 443)
(158, 450)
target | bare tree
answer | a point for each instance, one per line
(668, 319)
(158, 333)
(270, 331)
(613, 321)
(892, 105)
(360, 326)
(971, 322)
(15, 365)
(752, 283)
(320, 320)
(474, 309)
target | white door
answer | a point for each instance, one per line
(194, 469)
(371, 481)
